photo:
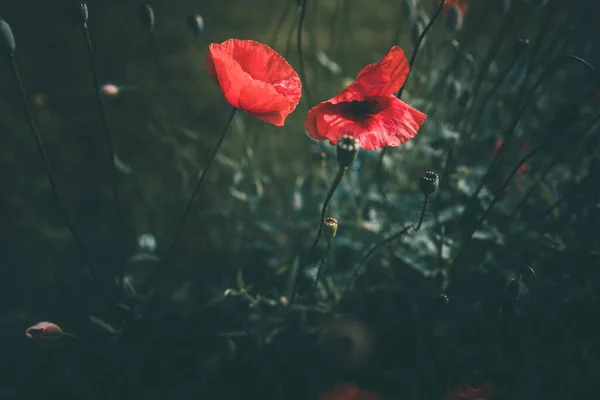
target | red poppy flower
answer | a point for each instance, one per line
(367, 109)
(462, 5)
(255, 78)
(349, 391)
(464, 391)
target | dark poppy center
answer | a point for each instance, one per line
(361, 109)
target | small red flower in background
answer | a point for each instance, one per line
(367, 109)
(255, 78)
(525, 148)
(462, 5)
(44, 330)
(464, 391)
(349, 391)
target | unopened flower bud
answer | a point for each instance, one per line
(196, 24)
(429, 182)
(147, 16)
(44, 330)
(454, 18)
(520, 45)
(330, 228)
(82, 12)
(347, 150)
(7, 39)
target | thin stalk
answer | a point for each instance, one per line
(301, 54)
(413, 58)
(500, 193)
(336, 181)
(494, 48)
(550, 166)
(367, 256)
(280, 23)
(50, 174)
(119, 224)
(422, 214)
(155, 56)
(322, 262)
(511, 130)
(489, 95)
(191, 201)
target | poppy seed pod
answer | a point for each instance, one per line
(196, 24)
(454, 18)
(330, 228)
(429, 182)
(7, 39)
(147, 16)
(347, 150)
(442, 300)
(82, 12)
(520, 45)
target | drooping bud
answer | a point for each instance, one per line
(454, 18)
(520, 45)
(429, 182)
(147, 16)
(44, 330)
(7, 39)
(347, 150)
(196, 24)
(82, 12)
(330, 228)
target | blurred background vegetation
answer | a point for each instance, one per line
(259, 208)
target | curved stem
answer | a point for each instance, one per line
(422, 215)
(211, 157)
(415, 52)
(500, 193)
(367, 256)
(511, 130)
(301, 54)
(336, 181)
(413, 58)
(120, 237)
(488, 96)
(50, 175)
(556, 160)
(322, 262)
(493, 50)
(153, 48)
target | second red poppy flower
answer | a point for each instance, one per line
(367, 109)
(255, 78)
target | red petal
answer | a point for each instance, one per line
(255, 78)
(380, 79)
(394, 123)
(349, 391)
